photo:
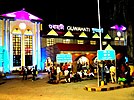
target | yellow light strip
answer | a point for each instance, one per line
(2, 33)
(52, 32)
(82, 35)
(69, 34)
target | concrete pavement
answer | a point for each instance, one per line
(88, 87)
(108, 87)
(17, 76)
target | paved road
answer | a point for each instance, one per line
(40, 90)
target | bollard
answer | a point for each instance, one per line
(122, 83)
(102, 83)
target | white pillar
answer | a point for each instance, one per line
(22, 49)
(38, 47)
(34, 49)
(11, 51)
(34, 46)
(6, 46)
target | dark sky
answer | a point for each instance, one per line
(80, 13)
(54, 11)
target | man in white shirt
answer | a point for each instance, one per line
(107, 73)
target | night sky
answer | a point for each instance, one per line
(69, 12)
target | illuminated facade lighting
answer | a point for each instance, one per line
(22, 15)
(20, 42)
(119, 28)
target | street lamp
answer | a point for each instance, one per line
(99, 24)
(102, 76)
(119, 36)
(22, 26)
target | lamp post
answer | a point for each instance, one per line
(102, 76)
(99, 24)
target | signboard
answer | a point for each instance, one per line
(97, 30)
(74, 28)
(106, 55)
(62, 58)
(58, 27)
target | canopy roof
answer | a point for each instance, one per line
(22, 15)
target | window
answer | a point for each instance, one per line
(50, 41)
(119, 41)
(66, 41)
(16, 50)
(28, 50)
(104, 43)
(58, 40)
(93, 42)
(80, 41)
(116, 42)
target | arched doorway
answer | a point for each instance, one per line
(82, 59)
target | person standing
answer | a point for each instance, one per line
(66, 72)
(107, 73)
(33, 73)
(127, 72)
(25, 72)
(113, 73)
(36, 71)
(58, 73)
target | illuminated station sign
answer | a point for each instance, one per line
(74, 28)
(57, 27)
(69, 28)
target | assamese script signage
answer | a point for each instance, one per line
(57, 27)
(69, 28)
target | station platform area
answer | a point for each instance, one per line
(108, 87)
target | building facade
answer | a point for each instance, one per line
(19, 41)
(80, 41)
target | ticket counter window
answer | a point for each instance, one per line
(28, 51)
(16, 50)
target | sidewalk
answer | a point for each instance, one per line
(88, 87)
(108, 87)
(17, 76)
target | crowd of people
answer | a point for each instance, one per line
(76, 71)
(70, 71)
(117, 74)
(25, 71)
